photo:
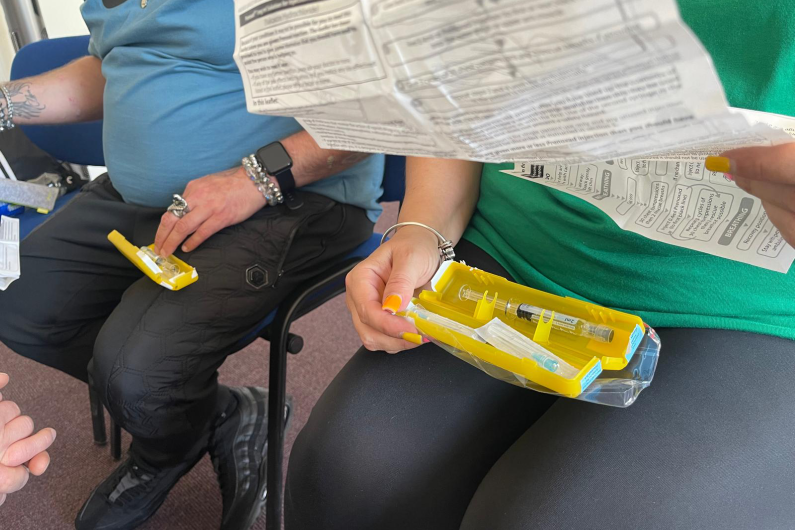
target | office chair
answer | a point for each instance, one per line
(82, 144)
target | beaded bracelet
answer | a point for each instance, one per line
(264, 183)
(7, 113)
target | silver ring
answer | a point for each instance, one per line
(179, 207)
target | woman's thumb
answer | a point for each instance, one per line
(768, 163)
(407, 274)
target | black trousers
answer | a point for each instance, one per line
(155, 352)
(423, 441)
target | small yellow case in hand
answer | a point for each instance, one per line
(612, 339)
(186, 275)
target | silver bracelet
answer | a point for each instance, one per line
(255, 173)
(446, 252)
(7, 113)
(264, 182)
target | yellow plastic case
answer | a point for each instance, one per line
(131, 252)
(588, 355)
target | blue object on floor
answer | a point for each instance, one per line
(11, 210)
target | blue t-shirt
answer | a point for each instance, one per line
(175, 109)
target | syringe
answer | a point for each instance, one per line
(516, 309)
(447, 323)
(169, 270)
(505, 338)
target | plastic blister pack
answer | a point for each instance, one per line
(537, 340)
(171, 272)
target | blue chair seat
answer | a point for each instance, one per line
(29, 220)
(366, 248)
(79, 143)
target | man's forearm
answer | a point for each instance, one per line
(311, 163)
(69, 94)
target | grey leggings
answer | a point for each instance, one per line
(423, 441)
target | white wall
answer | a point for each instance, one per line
(6, 49)
(61, 18)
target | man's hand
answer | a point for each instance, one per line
(767, 173)
(18, 446)
(215, 202)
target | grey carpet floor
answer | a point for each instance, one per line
(53, 399)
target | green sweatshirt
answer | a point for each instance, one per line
(561, 244)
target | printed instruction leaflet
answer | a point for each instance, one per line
(9, 251)
(673, 198)
(571, 81)
(554, 85)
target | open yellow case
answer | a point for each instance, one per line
(187, 274)
(621, 336)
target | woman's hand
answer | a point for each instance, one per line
(215, 201)
(384, 283)
(767, 173)
(21, 451)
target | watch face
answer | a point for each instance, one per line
(274, 158)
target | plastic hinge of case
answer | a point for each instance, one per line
(541, 335)
(484, 310)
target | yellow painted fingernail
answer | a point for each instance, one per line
(721, 164)
(413, 338)
(392, 303)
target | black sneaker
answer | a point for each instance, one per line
(238, 448)
(129, 496)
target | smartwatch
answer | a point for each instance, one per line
(278, 164)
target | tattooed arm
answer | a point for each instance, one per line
(69, 94)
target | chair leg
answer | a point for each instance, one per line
(115, 440)
(97, 416)
(288, 311)
(276, 409)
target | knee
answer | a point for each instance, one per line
(24, 325)
(15, 330)
(138, 382)
(340, 477)
(115, 384)
(322, 478)
(369, 458)
(31, 330)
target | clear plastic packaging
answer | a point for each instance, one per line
(171, 272)
(536, 340)
(505, 338)
(159, 265)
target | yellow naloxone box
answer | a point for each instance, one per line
(182, 275)
(590, 338)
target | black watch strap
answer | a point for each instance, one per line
(287, 186)
(278, 163)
